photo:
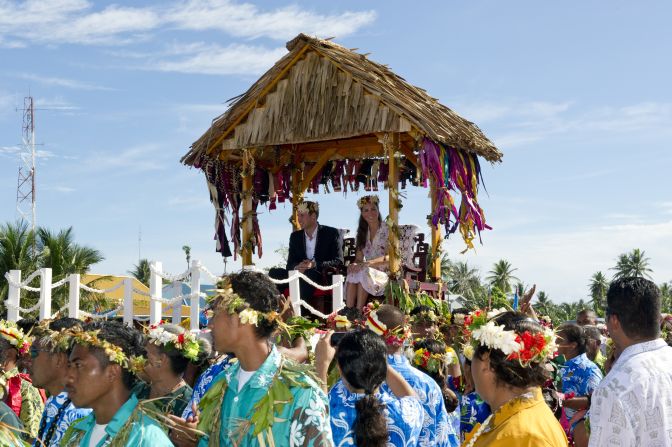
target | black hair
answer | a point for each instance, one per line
(363, 228)
(390, 316)
(592, 333)
(636, 304)
(460, 310)
(420, 309)
(178, 362)
(26, 324)
(361, 356)
(351, 313)
(261, 294)
(511, 372)
(438, 347)
(130, 340)
(573, 333)
(65, 323)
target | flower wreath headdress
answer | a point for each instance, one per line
(185, 342)
(365, 200)
(308, 207)
(434, 362)
(15, 336)
(232, 303)
(395, 336)
(114, 353)
(51, 340)
(424, 317)
(527, 347)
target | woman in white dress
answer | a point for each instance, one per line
(368, 274)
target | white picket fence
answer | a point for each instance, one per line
(190, 277)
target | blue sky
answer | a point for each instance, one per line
(576, 94)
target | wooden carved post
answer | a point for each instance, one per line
(390, 144)
(248, 230)
(297, 195)
(435, 266)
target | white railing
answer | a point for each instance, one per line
(156, 300)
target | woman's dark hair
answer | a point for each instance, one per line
(178, 362)
(511, 372)
(362, 229)
(261, 294)
(130, 340)
(573, 333)
(434, 346)
(361, 355)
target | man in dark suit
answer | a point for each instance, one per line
(311, 249)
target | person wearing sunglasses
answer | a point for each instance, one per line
(48, 368)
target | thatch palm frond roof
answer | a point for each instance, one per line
(321, 91)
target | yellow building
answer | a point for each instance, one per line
(140, 302)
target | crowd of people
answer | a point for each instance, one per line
(368, 375)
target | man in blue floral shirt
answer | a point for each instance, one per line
(436, 429)
(579, 375)
(203, 383)
(48, 368)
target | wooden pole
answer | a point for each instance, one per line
(246, 248)
(297, 195)
(391, 142)
(435, 263)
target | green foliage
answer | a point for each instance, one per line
(502, 275)
(634, 263)
(141, 271)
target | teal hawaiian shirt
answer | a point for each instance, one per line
(303, 421)
(145, 433)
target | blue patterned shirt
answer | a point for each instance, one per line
(69, 415)
(473, 410)
(438, 427)
(579, 376)
(203, 383)
(404, 416)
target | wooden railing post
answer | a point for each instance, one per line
(45, 294)
(195, 304)
(14, 296)
(73, 295)
(155, 291)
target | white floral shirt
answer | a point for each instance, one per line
(632, 406)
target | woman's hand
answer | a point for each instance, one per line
(324, 354)
(355, 267)
(183, 432)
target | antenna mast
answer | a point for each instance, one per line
(25, 189)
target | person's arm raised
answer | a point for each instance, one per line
(398, 384)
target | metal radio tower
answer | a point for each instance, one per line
(25, 188)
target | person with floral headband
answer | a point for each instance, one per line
(104, 361)
(170, 349)
(509, 352)
(17, 390)
(263, 398)
(311, 248)
(48, 369)
(390, 323)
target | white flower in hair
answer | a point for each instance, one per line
(496, 337)
(494, 312)
(249, 316)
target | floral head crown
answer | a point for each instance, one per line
(114, 353)
(425, 316)
(371, 199)
(435, 363)
(232, 303)
(393, 336)
(50, 340)
(15, 336)
(185, 343)
(308, 207)
(527, 347)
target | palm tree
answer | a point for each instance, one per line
(633, 264)
(141, 271)
(464, 280)
(16, 253)
(187, 253)
(598, 291)
(59, 252)
(544, 303)
(501, 275)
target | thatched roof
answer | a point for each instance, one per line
(323, 92)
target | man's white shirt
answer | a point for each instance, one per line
(632, 406)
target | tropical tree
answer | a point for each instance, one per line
(632, 264)
(141, 271)
(463, 280)
(544, 304)
(187, 254)
(598, 291)
(501, 275)
(59, 252)
(666, 297)
(16, 253)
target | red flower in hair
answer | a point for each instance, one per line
(180, 338)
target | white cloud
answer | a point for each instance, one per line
(78, 21)
(61, 82)
(216, 60)
(246, 20)
(15, 152)
(140, 158)
(59, 188)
